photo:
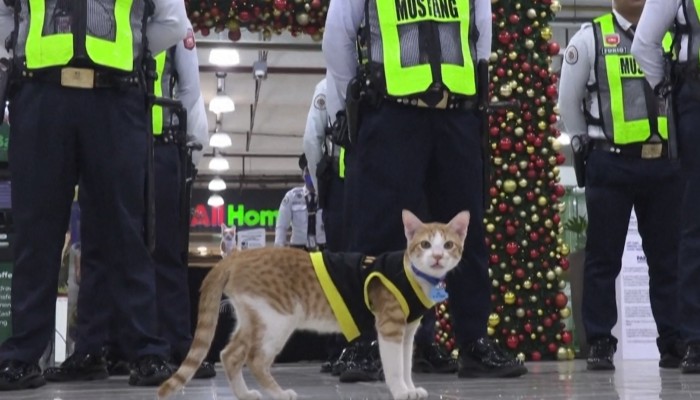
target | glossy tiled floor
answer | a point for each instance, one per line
(633, 380)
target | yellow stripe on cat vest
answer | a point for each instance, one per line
(392, 288)
(340, 310)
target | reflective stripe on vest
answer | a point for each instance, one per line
(341, 163)
(157, 111)
(409, 80)
(58, 49)
(621, 86)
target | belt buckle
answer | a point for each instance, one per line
(81, 78)
(652, 150)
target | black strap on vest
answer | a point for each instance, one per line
(311, 207)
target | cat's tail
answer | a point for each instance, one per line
(209, 301)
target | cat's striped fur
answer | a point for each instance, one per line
(275, 291)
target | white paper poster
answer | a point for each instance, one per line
(251, 238)
(638, 330)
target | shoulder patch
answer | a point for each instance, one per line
(189, 39)
(320, 102)
(571, 55)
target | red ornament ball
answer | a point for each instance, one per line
(553, 48)
(536, 356)
(512, 342)
(560, 300)
(512, 248)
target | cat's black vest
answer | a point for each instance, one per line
(344, 278)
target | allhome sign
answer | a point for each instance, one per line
(232, 214)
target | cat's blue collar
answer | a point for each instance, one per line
(428, 278)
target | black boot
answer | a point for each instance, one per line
(600, 355)
(691, 361)
(672, 354)
(367, 365)
(349, 354)
(205, 371)
(149, 370)
(116, 363)
(484, 359)
(18, 375)
(79, 367)
(433, 359)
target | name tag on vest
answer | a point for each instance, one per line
(629, 68)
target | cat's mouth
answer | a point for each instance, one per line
(437, 265)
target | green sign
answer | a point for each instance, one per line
(5, 288)
(4, 140)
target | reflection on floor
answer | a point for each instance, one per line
(633, 380)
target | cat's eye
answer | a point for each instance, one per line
(425, 245)
(449, 245)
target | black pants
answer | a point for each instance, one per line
(96, 138)
(429, 162)
(689, 253)
(614, 184)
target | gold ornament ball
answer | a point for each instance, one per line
(562, 354)
(494, 320)
(530, 149)
(519, 131)
(446, 315)
(522, 164)
(490, 331)
(562, 284)
(541, 125)
(533, 336)
(540, 328)
(548, 223)
(494, 282)
(570, 354)
(533, 299)
(535, 218)
(509, 298)
(530, 92)
(551, 275)
(498, 160)
(519, 89)
(546, 33)
(531, 13)
(510, 115)
(555, 6)
(513, 55)
(513, 84)
(564, 250)
(490, 228)
(507, 278)
(519, 313)
(517, 200)
(565, 312)
(541, 201)
(506, 91)
(529, 44)
(558, 270)
(509, 186)
(493, 57)
(522, 183)
(556, 145)
(527, 284)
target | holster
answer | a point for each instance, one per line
(324, 175)
(5, 71)
(581, 148)
(339, 131)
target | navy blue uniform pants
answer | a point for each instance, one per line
(429, 162)
(615, 184)
(61, 137)
(688, 106)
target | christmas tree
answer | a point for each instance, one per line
(527, 254)
(266, 16)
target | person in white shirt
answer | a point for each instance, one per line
(680, 17)
(417, 144)
(298, 208)
(605, 102)
(79, 115)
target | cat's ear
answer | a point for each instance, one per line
(223, 228)
(411, 223)
(459, 224)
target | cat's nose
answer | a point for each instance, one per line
(437, 257)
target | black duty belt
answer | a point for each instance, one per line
(635, 150)
(168, 135)
(82, 78)
(450, 103)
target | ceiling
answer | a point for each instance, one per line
(295, 66)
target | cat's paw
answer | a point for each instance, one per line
(420, 393)
(410, 394)
(288, 394)
(251, 395)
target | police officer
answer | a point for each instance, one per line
(418, 144)
(299, 208)
(627, 167)
(178, 77)
(78, 109)
(658, 17)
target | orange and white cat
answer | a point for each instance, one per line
(276, 291)
(228, 240)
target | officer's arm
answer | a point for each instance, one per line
(657, 18)
(167, 25)
(190, 94)
(314, 133)
(284, 218)
(339, 48)
(575, 72)
(482, 16)
(7, 24)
